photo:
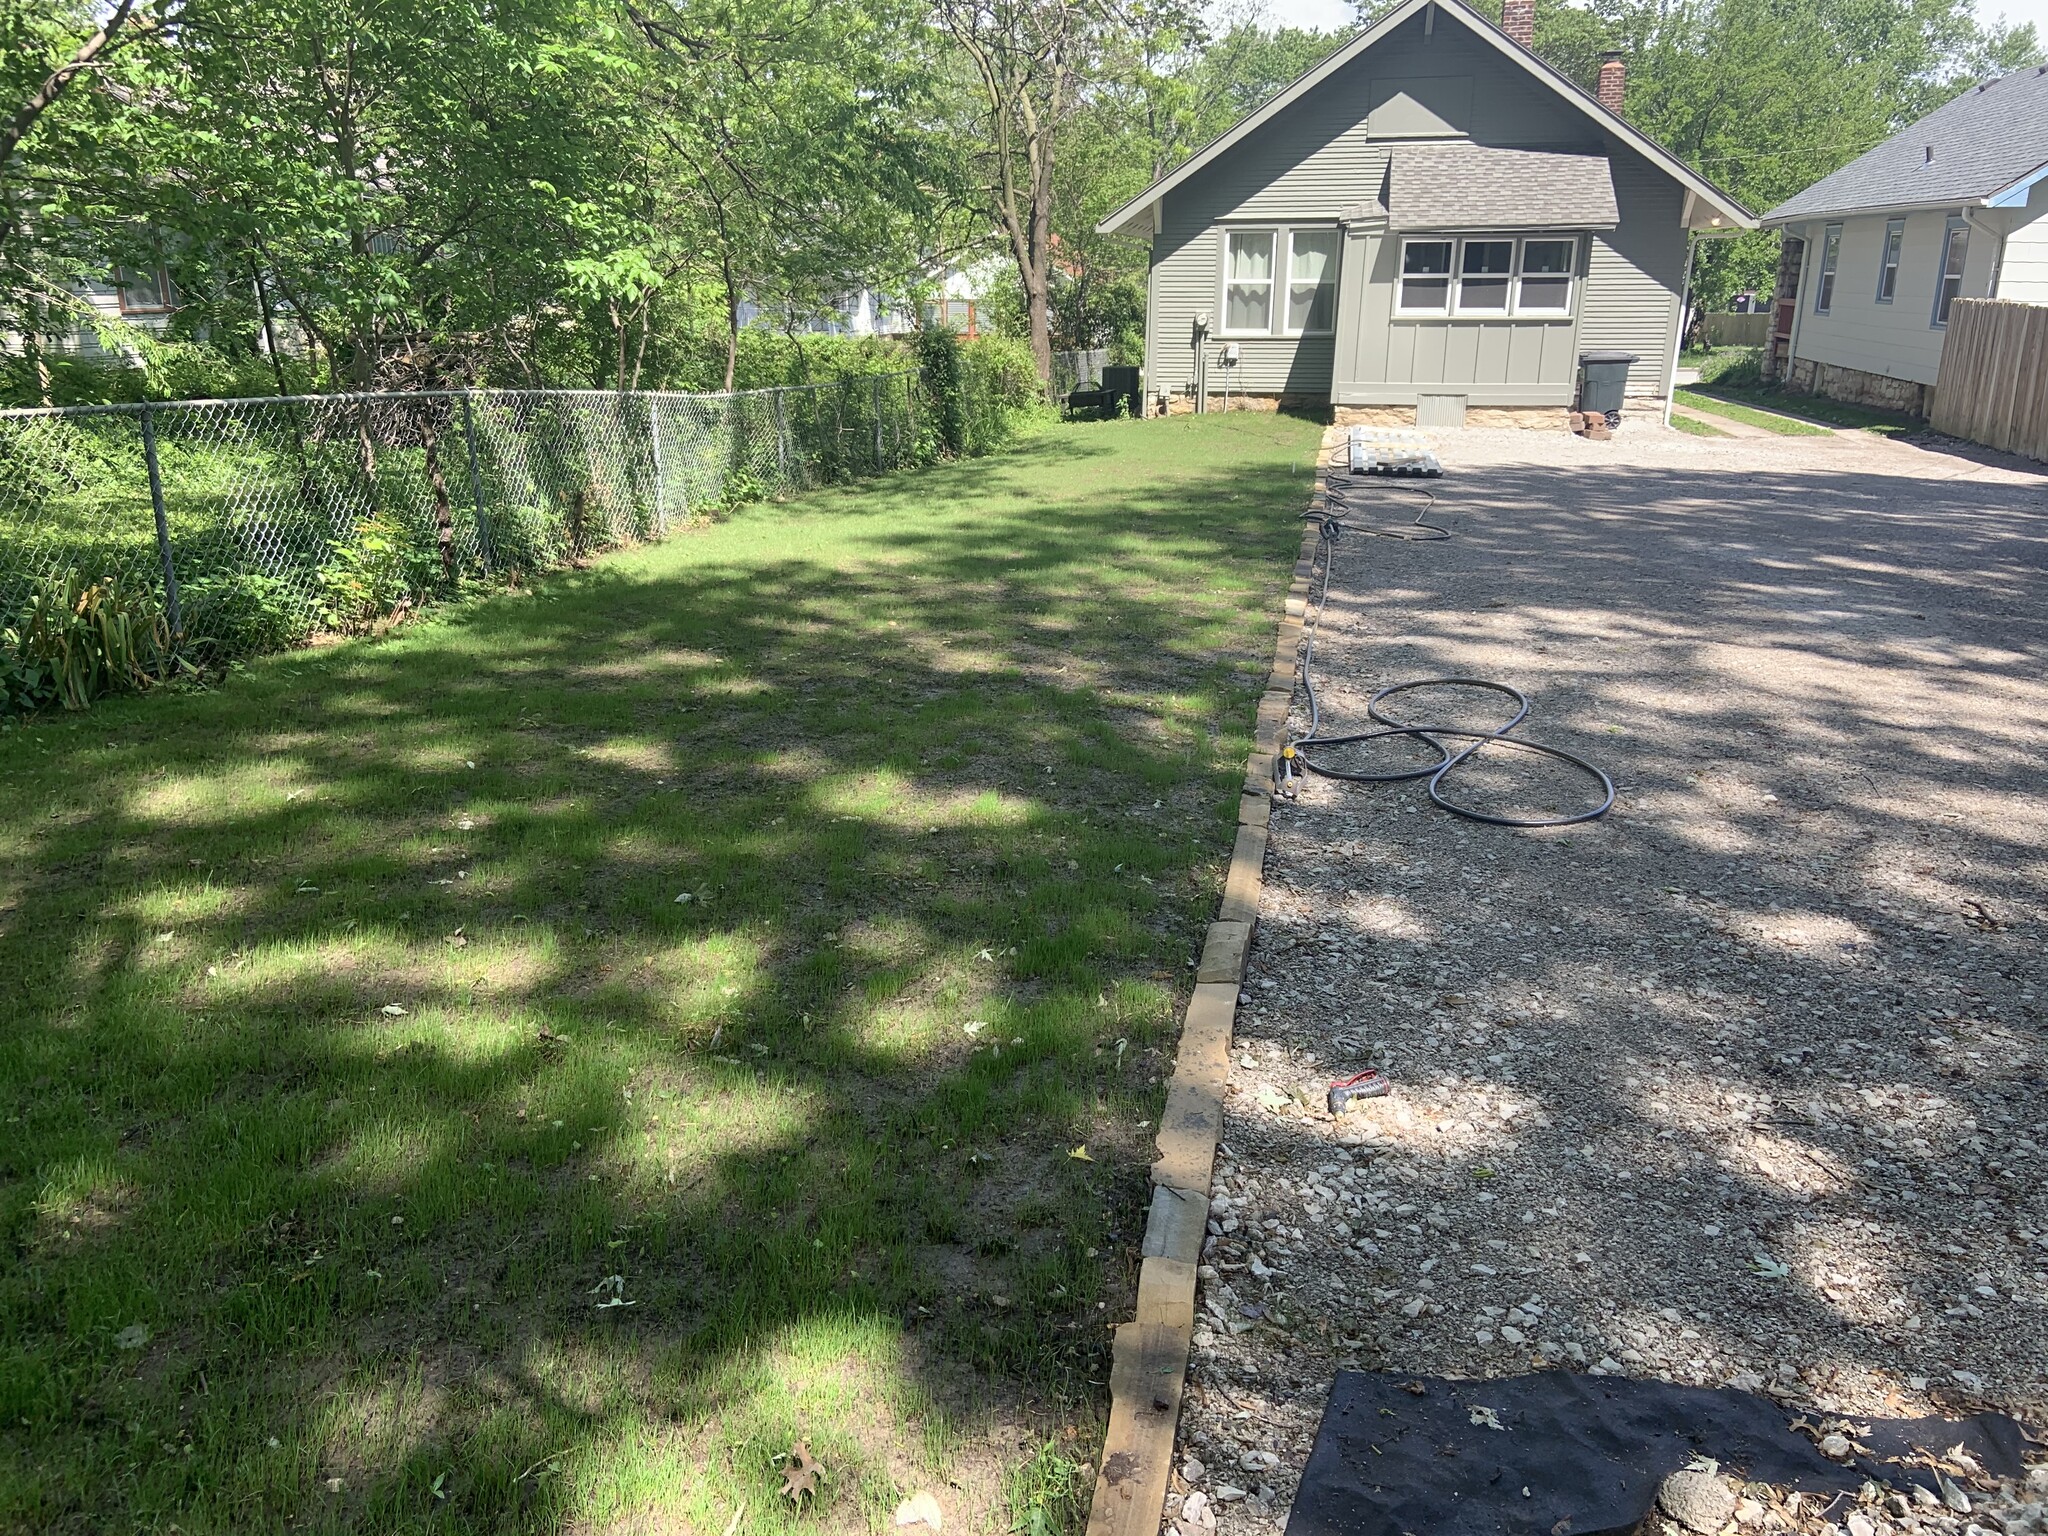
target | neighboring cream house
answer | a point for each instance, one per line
(1954, 207)
(1432, 225)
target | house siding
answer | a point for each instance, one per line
(1635, 275)
(1897, 340)
(2023, 272)
(1326, 155)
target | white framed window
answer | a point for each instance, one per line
(1425, 277)
(1480, 277)
(1248, 282)
(1544, 277)
(1888, 267)
(1955, 255)
(1830, 258)
(1280, 281)
(1312, 256)
(1486, 275)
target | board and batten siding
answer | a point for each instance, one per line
(1898, 340)
(1323, 156)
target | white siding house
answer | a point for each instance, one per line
(1956, 206)
(1432, 224)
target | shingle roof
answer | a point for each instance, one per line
(1480, 187)
(1989, 137)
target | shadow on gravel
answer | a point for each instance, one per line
(1745, 1083)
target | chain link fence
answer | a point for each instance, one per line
(247, 517)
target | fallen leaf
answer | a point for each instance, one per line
(920, 1509)
(1486, 1418)
(394, 1010)
(1080, 1154)
(134, 1336)
(800, 1477)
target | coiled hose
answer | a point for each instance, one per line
(1330, 527)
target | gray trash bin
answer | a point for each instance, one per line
(1603, 381)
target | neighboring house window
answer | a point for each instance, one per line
(1481, 278)
(1955, 255)
(1261, 297)
(1546, 277)
(1425, 277)
(143, 291)
(1312, 280)
(1888, 269)
(1830, 255)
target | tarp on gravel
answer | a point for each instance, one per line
(1579, 1455)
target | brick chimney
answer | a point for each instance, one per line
(1613, 82)
(1518, 20)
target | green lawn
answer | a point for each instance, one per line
(1817, 409)
(753, 931)
(1713, 405)
(1694, 427)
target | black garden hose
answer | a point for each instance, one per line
(1331, 527)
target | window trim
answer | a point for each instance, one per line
(1280, 281)
(1827, 268)
(1570, 275)
(1230, 232)
(1956, 226)
(1889, 260)
(164, 304)
(1287, 283)
(1514, 310)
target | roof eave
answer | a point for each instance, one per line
(1777, 220)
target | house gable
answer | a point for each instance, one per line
(1526, 101)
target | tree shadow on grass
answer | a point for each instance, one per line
(527, 1073)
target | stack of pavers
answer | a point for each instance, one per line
(1391, 451)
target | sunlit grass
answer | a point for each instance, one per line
(740, 932)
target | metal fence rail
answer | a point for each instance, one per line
(230, 509)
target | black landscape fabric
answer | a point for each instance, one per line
(1578, 1455)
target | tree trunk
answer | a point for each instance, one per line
(732, 320)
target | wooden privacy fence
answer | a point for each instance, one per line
(1993, 385)
(1732, 330)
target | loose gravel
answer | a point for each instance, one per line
(1742, 1085)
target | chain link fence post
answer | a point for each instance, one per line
(163, 524)
(876, 392)
(660, 479)
(781, 445)
(484, 551)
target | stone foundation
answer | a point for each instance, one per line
(1853, 386)
(1375, 416)
(1183, 403)
(1528, 418)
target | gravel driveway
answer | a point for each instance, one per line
(1747, 1083)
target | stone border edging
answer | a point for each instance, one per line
(1150, 1356)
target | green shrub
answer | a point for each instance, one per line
(242, 614)
(74, 640)
(1736, 367)
(372, 577)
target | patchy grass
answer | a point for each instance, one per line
(1817, 409)
(1770, 421)
(526, 1073)
(1693, 426)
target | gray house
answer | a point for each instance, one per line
(1954, 207)
(1431, 225)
